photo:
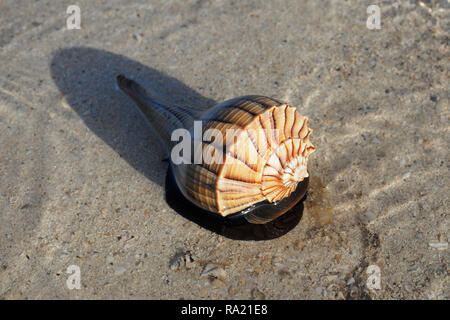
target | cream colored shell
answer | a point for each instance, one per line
(264, 161)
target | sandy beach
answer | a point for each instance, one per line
(84, 178)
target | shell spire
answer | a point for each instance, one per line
(163, 118)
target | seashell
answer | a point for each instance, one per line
(253, 171)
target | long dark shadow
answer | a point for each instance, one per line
(87, 79)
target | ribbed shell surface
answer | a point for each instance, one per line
(263, 157)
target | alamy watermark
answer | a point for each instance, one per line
(74, 280)
(374, 279)
(73, 21)
(211, 146)
(374, 18)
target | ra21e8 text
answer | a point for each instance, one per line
(230, 309)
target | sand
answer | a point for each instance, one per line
(83, 177)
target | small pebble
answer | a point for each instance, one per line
(319, 291)
(138, 37)
(120, 270)
(257, 294)
(211, 270)
(438, 245)
(350, 281)
(217, 283)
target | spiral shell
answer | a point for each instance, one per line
(260, 159)
(265, 159)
